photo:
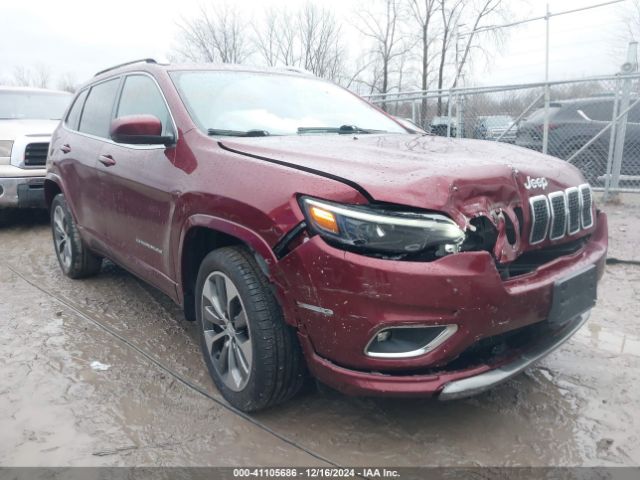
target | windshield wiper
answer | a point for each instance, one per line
(342, 130)
(237, 133)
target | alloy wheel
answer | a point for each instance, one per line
(226, 331)
(61, 237)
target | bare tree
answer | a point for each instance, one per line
(37, 76)
(631, 16)
(41, 76)
(485, 9)
(309, 38)
(22, 76)
(68, 82)
(423, 12)
(217, 34)
(321, 45)
(389, 43)
(450, 12)
(268, 37)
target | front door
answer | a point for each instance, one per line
(136, 183)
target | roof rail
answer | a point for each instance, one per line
(145, 60)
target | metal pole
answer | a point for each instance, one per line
(612, 141)
(547, 91)
(449, 107)
(459, 116)
(413, 111)
(632, 63)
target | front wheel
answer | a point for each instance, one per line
(253, 357)
(75, 259)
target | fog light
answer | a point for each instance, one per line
(408, 341)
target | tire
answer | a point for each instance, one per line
(74, 258)
(255, 359)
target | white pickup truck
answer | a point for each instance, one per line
(28, 116)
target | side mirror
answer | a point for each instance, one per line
(139, 130)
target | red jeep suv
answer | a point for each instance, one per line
(306, 231)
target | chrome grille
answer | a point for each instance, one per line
(561, 213)
(586, 206)
(539, 218)
(558, 202)
(35, 154)
(573, 206)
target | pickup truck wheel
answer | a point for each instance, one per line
(253, 357)
(75, 259)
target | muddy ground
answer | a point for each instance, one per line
(106, 371)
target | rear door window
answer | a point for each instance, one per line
(96, 116)
(140, 96)
(73, 118)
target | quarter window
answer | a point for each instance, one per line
(140, 96)
(96, 116)
(73, 118)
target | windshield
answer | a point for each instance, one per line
(220, 101)
(33, 105)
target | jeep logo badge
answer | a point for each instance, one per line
(533, 183)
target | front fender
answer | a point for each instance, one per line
(254, 241)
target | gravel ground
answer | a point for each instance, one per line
(106, 371)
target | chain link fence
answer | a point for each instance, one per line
(592, 123)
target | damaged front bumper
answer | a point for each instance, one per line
(359, 296)
(446, 385)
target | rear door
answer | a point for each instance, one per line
(137, 188)
(78, 148)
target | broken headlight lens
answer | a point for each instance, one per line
(382, 230)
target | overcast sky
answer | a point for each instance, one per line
(83, 36)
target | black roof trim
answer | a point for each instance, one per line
(145, 60)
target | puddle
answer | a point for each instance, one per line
(608, 340)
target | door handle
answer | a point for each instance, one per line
(107, 160)
(65, 148)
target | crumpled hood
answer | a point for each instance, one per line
(460, 177)
(12, 129)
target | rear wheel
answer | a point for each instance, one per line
(253, 357)
(75, 259)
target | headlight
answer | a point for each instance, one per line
(5, 148)
(382, 230)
